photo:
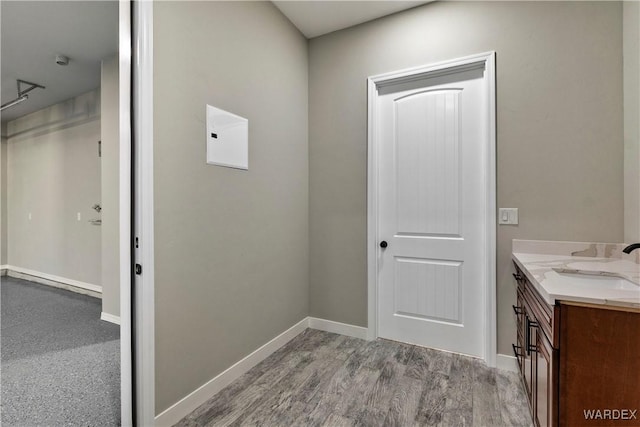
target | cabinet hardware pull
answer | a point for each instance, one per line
(530, 347)
(517, 276)
(515, 350)
(527, 338)
(517, 310)
(527, 334)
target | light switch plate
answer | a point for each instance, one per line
(227, 139)
(508, 216)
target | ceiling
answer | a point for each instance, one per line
(317, 17)
(33, 32)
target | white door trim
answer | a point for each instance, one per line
(124, 111)
(144, 316)
(373, 140)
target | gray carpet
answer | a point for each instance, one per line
(60, 364)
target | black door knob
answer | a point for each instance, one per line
(384, 244)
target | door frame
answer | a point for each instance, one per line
(124, 214)
(142, 219)
(373, 143)
(137, 339)
(128, 339)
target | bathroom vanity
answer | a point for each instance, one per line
(578, 332)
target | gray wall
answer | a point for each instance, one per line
(559, 113)
(231, 260)
(110, 190)
(631, 54)
(53, 172)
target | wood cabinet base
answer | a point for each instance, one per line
(599, 366)
(580, 363)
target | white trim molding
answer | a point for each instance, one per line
(491, 325)
(143, 228)
(338, 328)
(53, 281)
(124, 214)
(185, 406)
(507, 363)
(3, 270)
(486, 60)
(110, 318)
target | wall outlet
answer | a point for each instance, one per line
(79, 216)
(508, 216)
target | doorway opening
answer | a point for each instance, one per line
(65, 215)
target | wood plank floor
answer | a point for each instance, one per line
(325, 379)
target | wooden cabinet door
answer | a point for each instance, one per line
(529, 357)
(518, 348)
(544, 381)
(599, 365)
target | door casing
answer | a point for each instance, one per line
(373, 143)
(144, 299)
(124, 116)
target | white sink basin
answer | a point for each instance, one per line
(592, 280)
(589, 266)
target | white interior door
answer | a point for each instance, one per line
(432, 172)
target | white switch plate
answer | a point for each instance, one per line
(508, 216)
(227, 139)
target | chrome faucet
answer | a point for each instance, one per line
(632, 247)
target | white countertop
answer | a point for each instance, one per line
(563, 285)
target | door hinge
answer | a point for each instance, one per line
(138, 269)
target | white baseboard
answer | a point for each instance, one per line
(3, 270)
(338, 328)
(507, 363)
(55, 281)
(110, 318)
(185, 406)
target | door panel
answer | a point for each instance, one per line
(428, 289)
(544, 414)
(542, 388)
(530, 359)
(428, 163)
(431, 210)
